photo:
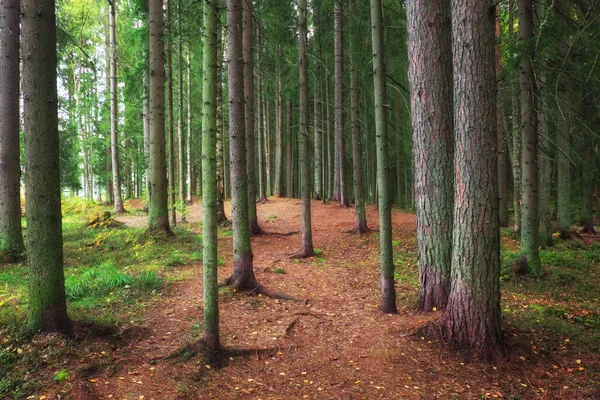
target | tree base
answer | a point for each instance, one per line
(262, 200)
(11, 257)
(588, 227)
(569, 235)
(251, 286)
(302, 254)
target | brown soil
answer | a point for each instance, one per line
(337, 346)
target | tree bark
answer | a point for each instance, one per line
(388, 290)
(221, 173)
(261, 144)
(47, 309)
(171, 172)
(279, 177)
(288, 180)
(189, 152)
(158, 206)
(360, 215)
(180, 138)
(472, 317)
(339, 177)
(430, 72)
(529, 124)
(114, 119)
(502, 173)
(11, 236)
(545, 156)
(317, 132)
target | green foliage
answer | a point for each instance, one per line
(61, 375)
(95, 281)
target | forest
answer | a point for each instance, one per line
(299, 199)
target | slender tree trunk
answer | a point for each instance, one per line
(209, 179)
(189, 152)
(47, 309)
(114, 119)
(544, 151)
(529, 212)
(180, 137)
(360, 215)
(431, 97)
(288, 180)
(11, 236)
(221, 217)
(516, 133)
(388, 290)
(330, 140)
(399, 155)
(307, 242)
(339, 179)
(248, 55)
(242, 277)
(267, 140)
(146, 119)
(502, 173)
(279, 177)
(472, 317)
(171, 178)
(589, 114)
(261, 145)
(158, 206)
(318, 158)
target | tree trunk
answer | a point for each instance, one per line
(221, 217)
(472, 317)
(544, 151)
(209, 179)
(189, 153)
(248, 55)
(589, 114)
(330, 144)
(261, 145)
(516, 133)
(242, 277)
(171, 178)
(317, 133)
(146, 118)
(288, 180)
(339, 177)
(360, 215)
(47, 309)
(158, 206)
(399, 169)
(180, 137)
(388, 290)
(502, 173)
(279, 177)
(430, 72)
(529, 164)
(114, 119)
(11, 237)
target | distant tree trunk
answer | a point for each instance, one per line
(288, 180)
(180, 137)
(530, 217)
(47, 309)
(388, 290)
(158, 206)
(516, 133)
(171, 178)
(221, 217)
(267, 142)
(146, 118)
(399, 169)
(248, 54)
(307, 242)
(189, 152)
(472, 317)
(318, 158)
(11, 237)
(360, 215)
(545, 168)
(114, 120)
(242, 277)
(431, 97)
(339, 178)
(279, 177)
(330, 144)
(209, 180)
(502, 173)
(261, 145)
(589, 114)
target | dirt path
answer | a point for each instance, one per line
(338, 346)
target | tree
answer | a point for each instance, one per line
(11, 237)
(430, 76)
(307, 242)
(114, 117)
(158, 206)
(221, 217)
(529, 124)
(502, 172)
(209, 180)
(171, 172)
(339, 189)
(180, 137)
(388, 290)
(472, 317)
(47, 309)
(189, 152)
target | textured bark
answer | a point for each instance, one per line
(221, 217)
(317, 131)
(47, 310)
(11, 237)
(330, 144)
(339, 177)
(209, 179)
(502, 172)
(261, 147)
(529, 122)
(472, 317)
(114, 118)
(146, 121)
(171, 139)
(288, 152)
(545, 168)
(189, 152)
(248, 56)
(516, 133)
(589, 114)
(279, 177)
(360, 215)
(242, 277)
(399, 169)
(388, 290)
(180, 137)
(158, 206)
(430, 72)
(307, 242)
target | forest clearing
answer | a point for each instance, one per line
(139, 336)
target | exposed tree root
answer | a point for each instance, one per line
(217, 357)
(281, 233)
(359, 231)
(588, 228)
(291, 326)
(256, 289)
(262, 200)
(301, 254)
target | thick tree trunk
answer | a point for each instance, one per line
(158, 206)
(242, 277)
(339, 177)
(529, 123)
(47, 309)
(180, 137)
(114, 119)
(209, 179)
(11, 236)
(430, 72)
(360, 215)
(171, 172)
(388, 290)
(472, 317)
(248, 55)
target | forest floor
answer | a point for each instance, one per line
(140, 344)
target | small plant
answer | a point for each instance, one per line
(319, 252)
(61, 375)
(272, 216)
(280, 271)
